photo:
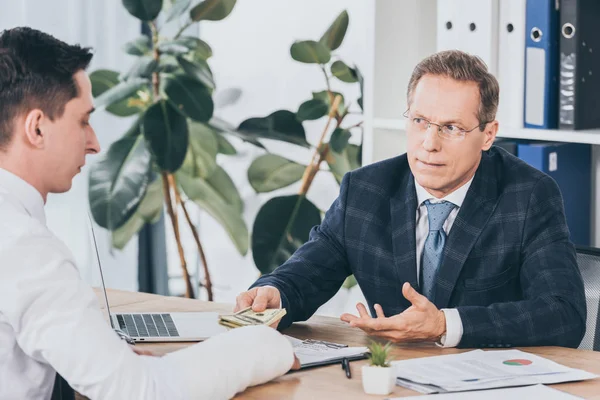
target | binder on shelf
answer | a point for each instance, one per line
(470, 26)
(579, 65)
(570, 165)
(511, 62)
(541, 64)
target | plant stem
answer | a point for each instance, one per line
(354, 126)
(313, 166)
(207, 280)
(326, 78)
(189, 291)
(156, 56)
(183, 28)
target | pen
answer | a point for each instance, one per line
(346, 367)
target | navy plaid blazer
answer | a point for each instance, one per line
(508, 265)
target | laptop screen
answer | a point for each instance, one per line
(100, 268)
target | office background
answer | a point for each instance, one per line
(385, 39)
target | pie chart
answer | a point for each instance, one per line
(518, 362)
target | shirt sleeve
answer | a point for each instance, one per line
(454, 328)
(57, 321)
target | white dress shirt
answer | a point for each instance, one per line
(50, 321)
(454, 327)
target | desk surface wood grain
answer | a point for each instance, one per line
(330, 382)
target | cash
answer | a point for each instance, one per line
(247, 317)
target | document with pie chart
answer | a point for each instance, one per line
(480, 369)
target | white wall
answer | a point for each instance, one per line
(105, 26)
(251, 50)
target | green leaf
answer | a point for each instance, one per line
(223, 184)
(328, 97)
(212, 10)
(354, 154)
(310, 52)
(119, 92)
(361, 82)
(142, 68)
(149, 211)
(225, 147)
(145, 10)
(271, 172)
(190, 97)
(282, 225)
(102, 80)
(199, 70)
(209, 199)
(334, 35)
(166, 131)
(339, 139)
(227, 97)
(138, 47)
(223, 126)
(168, 64)
(344, 73)
(280, 125)
(312, 109)
(201, 50)
(177, 9)
(340, 163)
(118, 181)
(201, 158)
(173, 48)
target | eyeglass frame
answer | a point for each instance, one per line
(439, 127)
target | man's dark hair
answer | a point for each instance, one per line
(36, 71)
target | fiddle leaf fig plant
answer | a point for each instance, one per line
(283, 223)
(169, 155)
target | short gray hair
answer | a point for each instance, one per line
(461, 66)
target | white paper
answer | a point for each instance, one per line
(309, 351)
(478, 369)
(527, 392)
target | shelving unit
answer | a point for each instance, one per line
(401, 34)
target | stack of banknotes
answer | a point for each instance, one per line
(247, 317)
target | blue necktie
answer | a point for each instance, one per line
(437, 213)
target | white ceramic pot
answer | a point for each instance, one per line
(378, 380)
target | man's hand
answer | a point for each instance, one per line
(296, 365)
(421, 321)
(259, 298)
(142, 352)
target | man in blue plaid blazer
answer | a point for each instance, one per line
(456, 241)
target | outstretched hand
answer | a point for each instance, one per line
(421, 321)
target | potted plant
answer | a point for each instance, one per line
(378, 377)
(169, 155)
(283, 223)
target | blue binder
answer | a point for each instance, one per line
(570, 165)
(541, 64)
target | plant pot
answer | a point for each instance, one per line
(378, 380)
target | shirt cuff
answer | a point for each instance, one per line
(454, 328)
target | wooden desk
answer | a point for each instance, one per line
(330, 382)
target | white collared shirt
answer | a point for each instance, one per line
(454, 327)
(50, 321)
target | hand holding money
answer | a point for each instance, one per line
(248, 317)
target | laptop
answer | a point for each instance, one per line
(160, 326)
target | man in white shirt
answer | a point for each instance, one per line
(50, 320)
(456, 241)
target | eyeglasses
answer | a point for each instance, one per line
(449, 131)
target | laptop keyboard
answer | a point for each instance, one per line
(147, 325)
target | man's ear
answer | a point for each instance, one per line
(33, 131)
(491, 129)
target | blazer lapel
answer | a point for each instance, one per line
(474, 213)
(403, 208)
